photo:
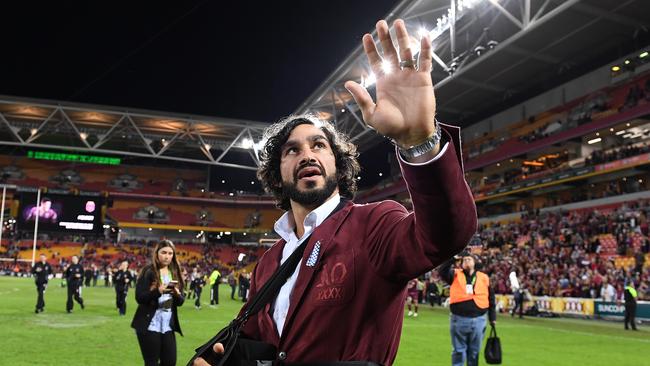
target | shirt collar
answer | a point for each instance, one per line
(285, 225)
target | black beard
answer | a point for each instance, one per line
(311, 197)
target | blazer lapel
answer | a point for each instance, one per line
(322, 236)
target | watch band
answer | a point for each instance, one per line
(423, 148)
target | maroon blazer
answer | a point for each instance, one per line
(350, 305)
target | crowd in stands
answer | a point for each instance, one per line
(563, 254)
(558, 163)
(616, 153)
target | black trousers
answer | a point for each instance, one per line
(519, 305)
(630, 315)
(214, 294)
(232, 293)
(120, 299)
(74, 290)
(197, 294)
(157, 347)
(40, 301)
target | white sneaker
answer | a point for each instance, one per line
(415, 315)
(410, 313)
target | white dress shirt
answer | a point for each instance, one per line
(285, 227)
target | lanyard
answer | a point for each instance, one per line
(473, 278)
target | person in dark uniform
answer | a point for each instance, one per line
(232, 282)
(195, 273)
(95, 274)
(41, 270)
(245, 284)
(630, 305)
(88, 275)
(123, 279)
(74, 275)
(197, 285)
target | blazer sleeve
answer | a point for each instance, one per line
(403, 245)
(144, 295)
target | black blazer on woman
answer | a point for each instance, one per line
(148, 302)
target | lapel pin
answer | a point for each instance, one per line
(311, 261)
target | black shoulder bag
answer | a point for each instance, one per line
(241, 351)
(493, 348)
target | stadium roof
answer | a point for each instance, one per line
(538, 44)
(78, 127)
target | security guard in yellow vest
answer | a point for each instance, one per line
(214, 281)
(470, 297)
(630, 305)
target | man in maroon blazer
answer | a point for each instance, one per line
(345, 300)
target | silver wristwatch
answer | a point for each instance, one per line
(423, 148)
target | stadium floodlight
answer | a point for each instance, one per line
(223, 181)
(247, 143)
(643, 54)
(627, 62)
(33, 131)
(621, 132)
(180, 230)
(593, 141)
(207, 146)
(616, 68)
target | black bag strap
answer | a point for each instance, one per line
(272, 287)
(493, 331)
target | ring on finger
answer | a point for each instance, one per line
(405, 64)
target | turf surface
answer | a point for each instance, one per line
(98, 336)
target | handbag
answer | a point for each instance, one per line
(239, 351)
(493, 348)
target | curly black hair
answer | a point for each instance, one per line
(276, 135)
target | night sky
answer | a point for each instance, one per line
(254, 60)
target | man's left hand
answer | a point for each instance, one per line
(406, 105)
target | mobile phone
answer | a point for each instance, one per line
(172, 284)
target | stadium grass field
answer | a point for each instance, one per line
(98, 336)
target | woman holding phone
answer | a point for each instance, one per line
(158, 293)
